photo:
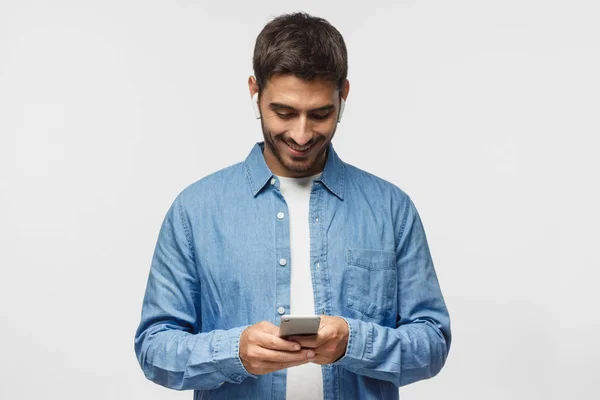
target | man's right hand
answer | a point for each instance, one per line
(262, 351)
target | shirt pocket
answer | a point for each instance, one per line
(371, 281)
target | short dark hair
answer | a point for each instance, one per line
(303, 45)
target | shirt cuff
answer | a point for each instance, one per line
(360, 343)
(226, 355)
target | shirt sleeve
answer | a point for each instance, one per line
(169, 345)
(418, 347)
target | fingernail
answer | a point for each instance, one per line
(310, 354)
(296, 347)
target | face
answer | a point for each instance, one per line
(298, 120)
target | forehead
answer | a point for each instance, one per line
(299, 93)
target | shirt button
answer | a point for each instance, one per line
(318, 265)
(282, 262)
(317, 218)
(281, 310)
(273, 180)
(280, 215)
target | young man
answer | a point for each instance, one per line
(293, 230)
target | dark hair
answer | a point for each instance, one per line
(303, 45)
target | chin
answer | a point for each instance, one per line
(299, 167)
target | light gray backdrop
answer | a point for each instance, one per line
(485, 112)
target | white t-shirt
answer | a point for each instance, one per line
(305, 381)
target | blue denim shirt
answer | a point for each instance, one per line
(216, 270)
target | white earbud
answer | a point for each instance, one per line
(342, 105)
(255, 104)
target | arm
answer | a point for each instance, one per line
(169, 346)
(417, 348)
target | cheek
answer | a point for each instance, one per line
(325, 128)
(275, 125)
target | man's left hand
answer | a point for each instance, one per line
(330, 342)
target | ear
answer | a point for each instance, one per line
(253, 87)
(255, 105)
(343, 96)
(342, 106)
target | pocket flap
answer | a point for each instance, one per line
(371, 259)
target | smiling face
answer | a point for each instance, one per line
(298, 119)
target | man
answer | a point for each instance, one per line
(293, 230)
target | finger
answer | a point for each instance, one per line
(259, 367)
(321, 360)
(269, 341)
(328, 349)
(326, 354)
(268, 355)
(314, 341)
(305, 341)
(255, 358)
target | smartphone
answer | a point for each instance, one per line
(298, 325)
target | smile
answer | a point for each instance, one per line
(300, 152)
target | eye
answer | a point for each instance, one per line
(284, 115)
(320, 116)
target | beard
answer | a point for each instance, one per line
(297, 166)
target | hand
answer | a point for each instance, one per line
(330, 343)
(262, 351)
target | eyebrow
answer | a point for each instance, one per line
(274, 106)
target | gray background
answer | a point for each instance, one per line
(485, 112)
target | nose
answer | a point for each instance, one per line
(300, 132)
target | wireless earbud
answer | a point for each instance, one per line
(342, 105)
(255, 105)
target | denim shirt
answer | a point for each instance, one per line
(218, 267)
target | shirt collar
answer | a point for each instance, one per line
(259, 174)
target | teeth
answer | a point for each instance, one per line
(299, 149)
